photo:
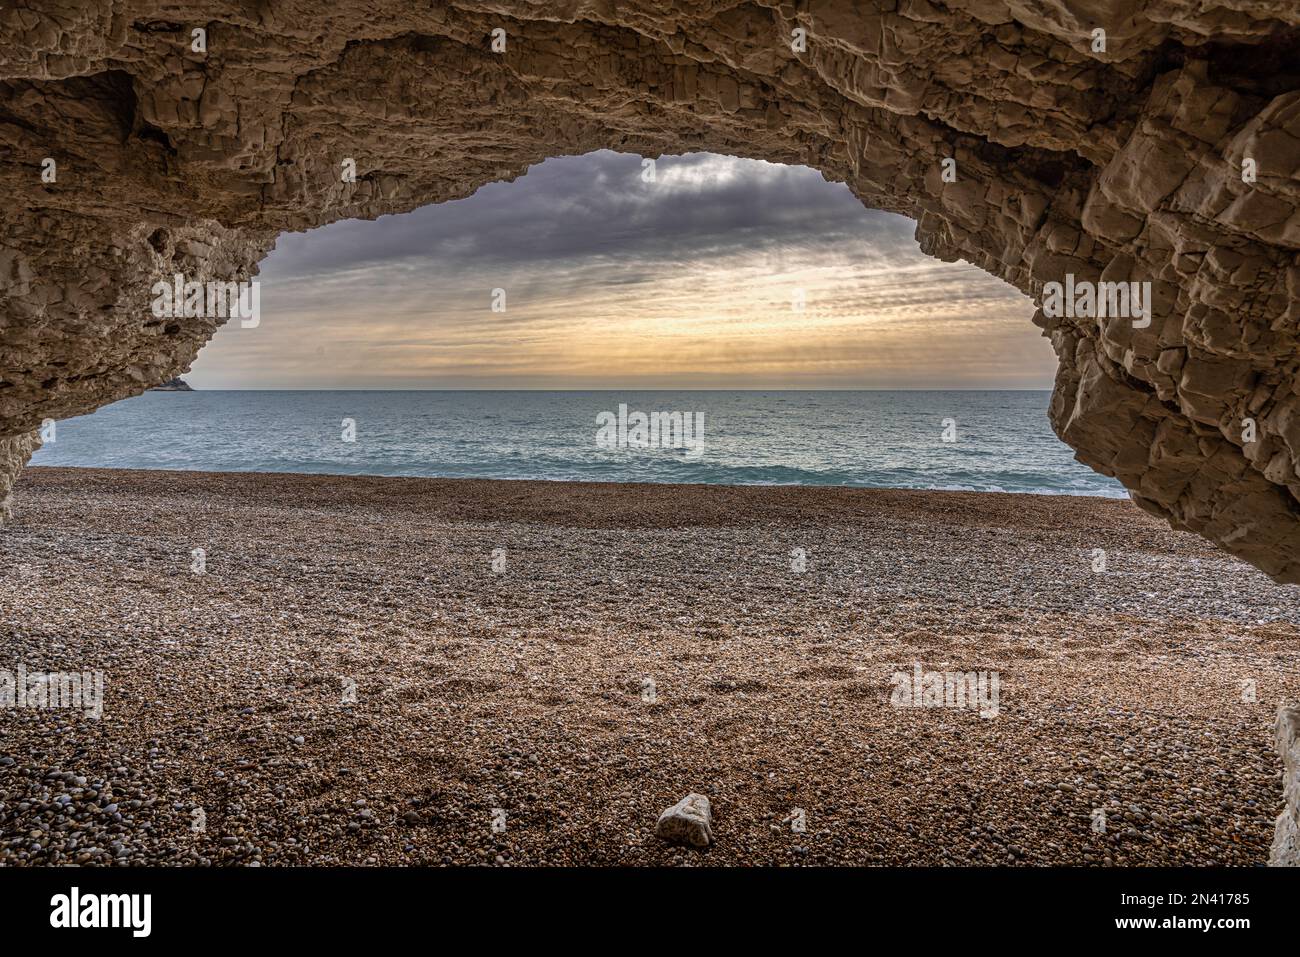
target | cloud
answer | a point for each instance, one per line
(602, 269)
(597, 205)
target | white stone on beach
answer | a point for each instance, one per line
(689, 821)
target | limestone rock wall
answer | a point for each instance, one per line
(14, 453)
(1286, 836)
(1128, 162)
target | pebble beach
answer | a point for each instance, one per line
(391, 671)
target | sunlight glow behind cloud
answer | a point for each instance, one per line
(612, 282)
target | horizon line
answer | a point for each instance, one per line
(628, 389)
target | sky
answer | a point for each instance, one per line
(689, 281)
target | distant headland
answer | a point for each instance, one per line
(175, 385)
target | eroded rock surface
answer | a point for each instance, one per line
(1169, 156)
(15, 450)
(1286, 834)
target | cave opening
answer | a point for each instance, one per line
(616, 290)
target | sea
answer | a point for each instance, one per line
(992, 441)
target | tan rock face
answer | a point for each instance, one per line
(14, 453)
(1169, 156)
(1286, 834)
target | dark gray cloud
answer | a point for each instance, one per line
(597, 207)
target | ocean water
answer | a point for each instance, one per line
(1003, 441)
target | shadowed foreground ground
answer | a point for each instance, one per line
(525, 689)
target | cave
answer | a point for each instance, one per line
(1092, 142)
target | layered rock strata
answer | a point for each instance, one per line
(1165, 151)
